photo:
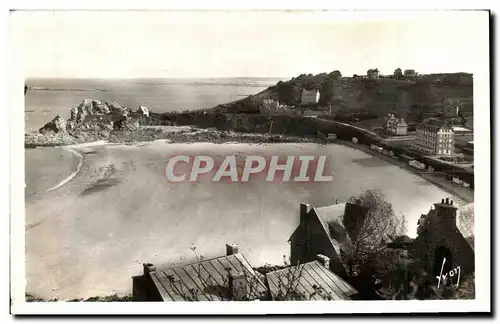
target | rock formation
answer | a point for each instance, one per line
(94, 115)
(56, 125)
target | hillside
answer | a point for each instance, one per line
(406, 96)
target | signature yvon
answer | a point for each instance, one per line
(451, 274)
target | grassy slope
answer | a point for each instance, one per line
(379, 96)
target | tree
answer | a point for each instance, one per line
(398, 74)
(335, 75)
(379, 225)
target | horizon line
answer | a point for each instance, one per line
(220, 77)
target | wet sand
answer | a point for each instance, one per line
(91, 235)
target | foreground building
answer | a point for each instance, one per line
(223, 278)
(444, 243)
(328, 231)
(434, 137)
(231, 277)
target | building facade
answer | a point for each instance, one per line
(434, 137)
(310, 97)
(395, 126)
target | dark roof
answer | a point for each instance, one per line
(311, 280)
(208, 280)
(436, 123)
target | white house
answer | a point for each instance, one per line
(310, 97)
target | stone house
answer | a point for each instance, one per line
(328, 231)
(440, 237)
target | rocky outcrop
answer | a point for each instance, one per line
(56, 125)
(97, 116)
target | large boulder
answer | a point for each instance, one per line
(56, 125)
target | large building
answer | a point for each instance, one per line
(434, 137)
(310, 97)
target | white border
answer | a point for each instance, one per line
(483, 212)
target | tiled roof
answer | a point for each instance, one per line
(331, 213)
(331, 219)
(207, 280)
(312, 280)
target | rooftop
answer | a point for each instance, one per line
(435, 122)
(331, 219)
(312, 280)
(207, 280)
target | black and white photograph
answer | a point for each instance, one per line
(250, 159)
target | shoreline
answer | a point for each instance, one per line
(218, 137)
(73, 174)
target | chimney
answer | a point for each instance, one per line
(231, 249)
(358, 202)
(147, 268)
(237, 285)
(447, 213)
(305, 209)
(324, 260)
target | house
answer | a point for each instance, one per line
(221, 278)
(395, 126)
(310, 97)
(328, 231)
(451, 109)
(434, 137)
(311, 281)
(443, 244)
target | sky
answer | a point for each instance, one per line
(163, 44)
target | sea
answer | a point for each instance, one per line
(50, 97)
